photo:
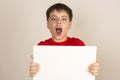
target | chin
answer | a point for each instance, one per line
(60, 38)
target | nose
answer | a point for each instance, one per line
(59, 21)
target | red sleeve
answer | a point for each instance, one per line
(46, 42)
(77, 42)
(43, 43)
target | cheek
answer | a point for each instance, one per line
(51, 27)
(66, 28)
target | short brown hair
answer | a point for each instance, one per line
(58, 7)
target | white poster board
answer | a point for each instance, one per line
(64, 62)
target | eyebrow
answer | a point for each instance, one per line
(56, 16)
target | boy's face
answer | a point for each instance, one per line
(59, 24)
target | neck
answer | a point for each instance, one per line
(59, 40)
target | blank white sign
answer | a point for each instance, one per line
(64, 62)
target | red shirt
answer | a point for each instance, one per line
(69, 42)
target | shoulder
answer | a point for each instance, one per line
(45, 42)
(77, 41)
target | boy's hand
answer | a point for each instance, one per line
(94, 69)
(34, 68)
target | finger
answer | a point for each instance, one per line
(32, 75)
(95, 64)
(34, 65)
(95, 73)
(34, 68)
(93, 68)
(33, 71)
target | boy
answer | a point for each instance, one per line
(59, 20)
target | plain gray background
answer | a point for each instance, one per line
(23, 24)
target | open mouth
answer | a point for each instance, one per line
(58, 30)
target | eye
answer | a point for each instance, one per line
(53, 19)
(64, 19)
